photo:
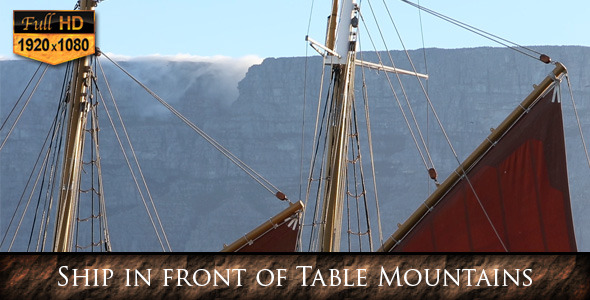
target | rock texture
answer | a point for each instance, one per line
(539, 277)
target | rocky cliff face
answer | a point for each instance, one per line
(205, 201)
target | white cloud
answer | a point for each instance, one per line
(226, 72)
(248, 60)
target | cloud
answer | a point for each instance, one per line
(247, 60)
(12, 57)
(208, 80)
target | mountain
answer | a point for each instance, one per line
(205, 201)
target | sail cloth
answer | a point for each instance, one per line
(279, 234)
(283, 238)
(521, 183)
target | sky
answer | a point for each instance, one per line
(277, 28)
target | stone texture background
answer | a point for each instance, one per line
(36, 276)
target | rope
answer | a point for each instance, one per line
(247, 169)
(569, 85)
(413, 135)
(53, 130)
(363, 186)
(43, 166)
(128, 162)
(90, 245)
(21, 96)
(370, 142)
(133, 174)
(424, 144)
(423, 45)
(427, 86)
(23, 108)
(321, 179)
(482, 33)
(96, 184)
(47, 138)
(57, 154)
(134, 155)
(93, 134)
(302, 150)
(103, 224)
(56, 142)
(44, 171)
(314, 151)
(356, 194)
(438, 120)
(58, 151)
(348, 222)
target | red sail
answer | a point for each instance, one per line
(521, 200)
(280, 239)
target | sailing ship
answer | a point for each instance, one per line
(510, 194)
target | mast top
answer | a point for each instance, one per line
(344, 32)
(88, 4)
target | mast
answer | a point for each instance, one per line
(339, 52)
(342, 36)
(72, 163)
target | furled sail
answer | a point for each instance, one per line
(279, 234)
(514, 195)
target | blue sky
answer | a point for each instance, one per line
(276, 28)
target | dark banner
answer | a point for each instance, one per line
(53, 36)
(53, 21)
(292, 276)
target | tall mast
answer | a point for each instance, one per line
(341, 39)
(70, 180)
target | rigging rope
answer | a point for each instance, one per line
(315, 149)
(43, 170)
(34, 166)
(132, 174)
(405, 117)
(302, 150)
(424, 144)
(103, 224)
(438, 121)
(53, 131)
(370, 142)
(23, 108)
(129, 164)
(21, 96)
(348, 223)
(95, 180)
(53, 184)
(246, 168)
(43, 166)
(427, 85)
(569, 85)
(494, 38)
(363, 193)
(423, 49)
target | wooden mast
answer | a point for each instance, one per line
(72, 163)
(331, 34)
(264, 228)
(343, 38)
